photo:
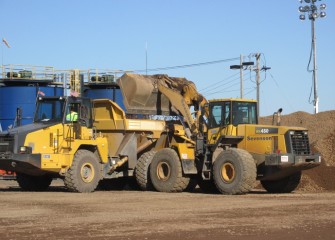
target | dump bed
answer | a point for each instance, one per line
(108, 115)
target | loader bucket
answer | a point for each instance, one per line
(141, 96)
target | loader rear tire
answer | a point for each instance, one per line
(234, 172)
(84, 173)
(142, 173)
(285, 185)
(166, 172)
(33, 183)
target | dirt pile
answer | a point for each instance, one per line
(321, 128)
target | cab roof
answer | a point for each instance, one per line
(232, 100)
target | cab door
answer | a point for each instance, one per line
(219, 121)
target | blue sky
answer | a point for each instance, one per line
(113, 34)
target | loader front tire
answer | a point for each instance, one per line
(33, 183)
(166, 172)
(142, 173)
(285, 185)
(234, 172)
(84, 173)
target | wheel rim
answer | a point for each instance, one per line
(163, 171)
(228, 172)
(87, 172)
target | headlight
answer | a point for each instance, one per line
(25, 150)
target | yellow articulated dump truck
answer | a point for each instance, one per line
(82, 141)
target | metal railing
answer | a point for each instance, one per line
(27, 72)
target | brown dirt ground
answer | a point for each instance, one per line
(321, 128)
(58, 214)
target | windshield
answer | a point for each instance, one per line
(49, 110)
(232, 112)
(244, 113)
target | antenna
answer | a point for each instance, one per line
(146, 58)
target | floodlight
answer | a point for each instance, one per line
(307, 8)
(248, 63)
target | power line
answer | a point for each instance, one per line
(222, 88)
(186, 66)
(213, 85)
(222, 91)
(209, 89)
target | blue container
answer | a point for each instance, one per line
(113, 94)
(23, 97)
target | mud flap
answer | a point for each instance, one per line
(189, 167)
(128, 147)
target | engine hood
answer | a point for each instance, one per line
(19, 133)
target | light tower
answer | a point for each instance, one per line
(313, 11)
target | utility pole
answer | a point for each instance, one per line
(315, 68)
(258, 69)
(241, 74)
(243, 66)
(312, 11)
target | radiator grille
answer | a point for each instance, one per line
(300, 143)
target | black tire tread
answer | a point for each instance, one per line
(71, 180)
(248, 174)
(181, 181)
(285, 185)
(142, 171)
(33, 183)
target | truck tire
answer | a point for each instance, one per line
(142, 173)
(285, 185)
(234, 172)
(84, 173)
(166, 172)
(33, 183)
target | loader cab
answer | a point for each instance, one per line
(232, 112)
(225, 115)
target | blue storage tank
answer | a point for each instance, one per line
(24, 97)
(113, 94)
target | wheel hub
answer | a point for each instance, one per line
(163, 171)
(228, 172)
(87, 172)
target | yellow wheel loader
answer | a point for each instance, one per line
(221, 146)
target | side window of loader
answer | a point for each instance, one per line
(216, 112)
(227, 114)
